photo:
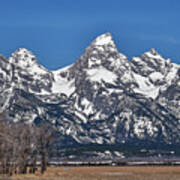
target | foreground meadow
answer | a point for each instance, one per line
(105, 173)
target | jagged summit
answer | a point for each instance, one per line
(22, 51)
(102, 51)
(103, 39)
(23, 57)
(151, 59)
(153, 51)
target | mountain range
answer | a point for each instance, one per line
(103, 98)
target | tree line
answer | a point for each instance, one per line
(23, 146)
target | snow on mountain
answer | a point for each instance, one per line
(155, 77)
(61, 83)
(22, 58)
(101, 74)
(145, 87)
(103, 98)
(104, 39)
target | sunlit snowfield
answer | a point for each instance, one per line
(106, 173)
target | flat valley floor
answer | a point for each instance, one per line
(105, 173)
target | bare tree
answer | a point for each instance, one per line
(22, 144)
(45, 137)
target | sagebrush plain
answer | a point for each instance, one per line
(104, 173)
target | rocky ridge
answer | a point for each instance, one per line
(103, 98)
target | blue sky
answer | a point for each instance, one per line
(58, 31)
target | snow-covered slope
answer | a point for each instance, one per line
(103, 98)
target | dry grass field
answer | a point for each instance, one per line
(105, 173)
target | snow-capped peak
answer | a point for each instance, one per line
(103, 39)
(23, 50)
(152, 53)
(101, 51)
(23, 58)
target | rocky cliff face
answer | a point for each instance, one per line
(103, 98)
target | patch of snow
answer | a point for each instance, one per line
(88, 106)
(119, 154)
(156, 76)
(126, 77)
(103, 40)
(68, 131)
(37, 69)
(118, 64)
(93, 61)
(43, 92)
(97, 115)
(31, 118)
(107, 152)
(136, 59)
(81, 116)
(152, 56)
(99, 140)
(99, 74)
(145, 86)
(62, 69)
(100, 48)
(141, 125)
(172, 74)
(62, 85)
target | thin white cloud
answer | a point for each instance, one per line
(173, 40)
(162, 38)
